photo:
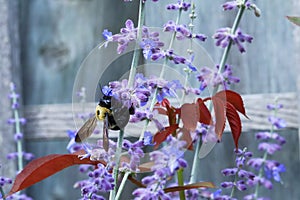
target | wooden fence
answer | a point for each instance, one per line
(44, 42)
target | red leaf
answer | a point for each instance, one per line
(234, 98)
(190, 186)
(161, 110)
(234, 123)
(186, 136)
(165, 103)
(190, 115)
(43, 167)
(171, 114)
(204, 116)
(162, 135)
(219, 109)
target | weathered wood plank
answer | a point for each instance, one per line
(8, 65)
(53, 120)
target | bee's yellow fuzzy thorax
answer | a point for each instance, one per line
(101, 111)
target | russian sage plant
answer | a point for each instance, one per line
(148, 100)
(20, 155)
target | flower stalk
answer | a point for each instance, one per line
(124, 179)
(117, 160)
(215, 90)
(137, 52)
(17, 126)
(265, 157)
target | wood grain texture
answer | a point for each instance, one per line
(52, 121)
(8, 65)
(58, 35)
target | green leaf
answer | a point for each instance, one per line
(293, 19)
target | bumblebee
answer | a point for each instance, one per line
(114, 115)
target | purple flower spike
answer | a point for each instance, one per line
(180, 5)
(18, 136)
(135, 152)
(230, 5)
(224, 36)
(277, 122)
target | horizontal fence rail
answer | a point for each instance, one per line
(51, 121)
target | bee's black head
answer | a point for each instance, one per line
(105, 102)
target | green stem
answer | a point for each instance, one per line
(136, 52)
(162, 72)
(117, 160)
(18, 130)
(2, 193)
(234, 187)
(181, 183)
(196, 161)
(122, 185)
(221, 68)
(265, 157)
(161, 76)
(147, 121)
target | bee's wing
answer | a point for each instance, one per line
(120, 113)
(86, 130)
(105, 133)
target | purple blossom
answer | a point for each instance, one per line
(150, 43)
(180, 5)
(242, 156)
(100, 180)
(224, 36)
(274, 107)
(270, 148)
(131, 97)
(22, 121)
(191, 194)
(252, 197)
(274, 171)
(4, 181)
(72, 145)
(142, 1)
(210, 77)
(267, 135)
(182, 31)
(261, 181)
(256, 163)
(18, 196)
(148, 139)
(277, 122)
(166, 88)
(208, 135)
(18, 136)
(150, 193)
(126, 35)
(170, 156)
(230, 5)
(135, 152)
(241, 175)
(149, 40)
(216, 195)
(25, 155)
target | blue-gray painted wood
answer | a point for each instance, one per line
(57, 35)
(9, 72)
